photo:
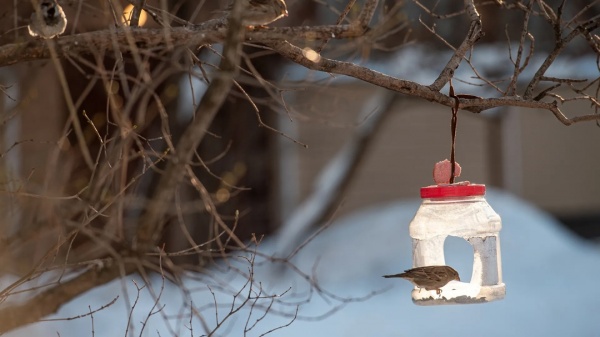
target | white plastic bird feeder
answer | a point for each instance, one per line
(458, 210)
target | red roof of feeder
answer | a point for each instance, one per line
(454, 190)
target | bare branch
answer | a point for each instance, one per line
(414, 89)
(512, 86)
(152, 222)
(49, 301)
(138, 6)
(472, 36)
(560, 44)
(148, 40)
(105, 203)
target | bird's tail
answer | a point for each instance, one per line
(395, 275)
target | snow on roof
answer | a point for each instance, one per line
(423, 64)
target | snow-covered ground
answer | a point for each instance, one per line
(552, 280)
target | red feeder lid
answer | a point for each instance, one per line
(454, 190)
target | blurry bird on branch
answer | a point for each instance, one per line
(47, 20)
(262, 12)
(429, 277)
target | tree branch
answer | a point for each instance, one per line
(410, 88)
(153, 221)
(138, 5)
(49, 301)
(473, 35)
(212, 31)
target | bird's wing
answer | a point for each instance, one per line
(419, 273)
(438, 274)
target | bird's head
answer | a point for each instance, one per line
(454, 274)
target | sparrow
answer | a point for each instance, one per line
(262, 12)
(429, 277)
(48, 20)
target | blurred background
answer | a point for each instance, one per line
(528, 158)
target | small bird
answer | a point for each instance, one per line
(429, 277)
(48, 20)
(262, 12)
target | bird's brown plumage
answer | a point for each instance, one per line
(429, 277)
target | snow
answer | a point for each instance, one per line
(551, 280)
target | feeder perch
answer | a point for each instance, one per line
(458, 210)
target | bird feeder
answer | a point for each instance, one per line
(458, 210)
